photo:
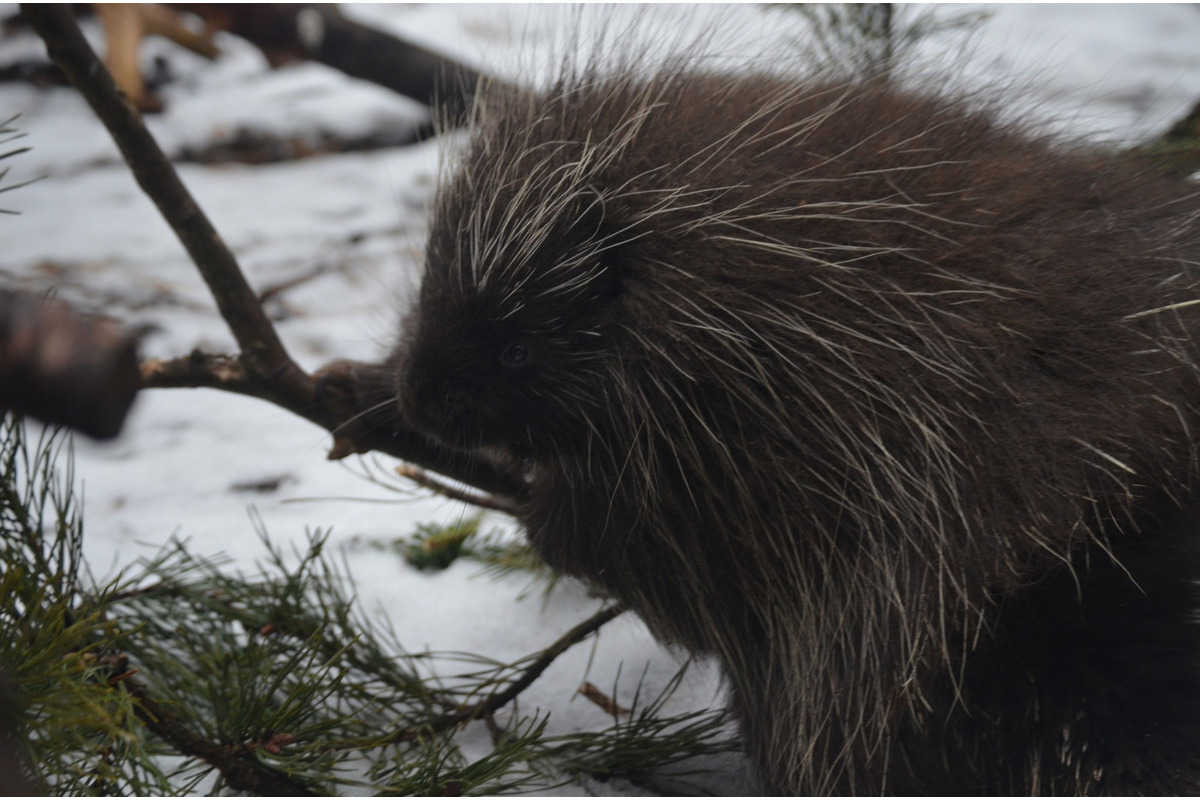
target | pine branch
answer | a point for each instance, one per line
(567, 640)
(498, 700)
(238, 766)
(272, 684)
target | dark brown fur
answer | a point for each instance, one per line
(886, 403)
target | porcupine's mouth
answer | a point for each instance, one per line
(434, 423)
(444, 431)
(465, 432)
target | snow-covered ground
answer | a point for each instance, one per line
(1117, 72)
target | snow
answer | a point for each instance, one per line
(1118, 72)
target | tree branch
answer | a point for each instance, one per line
(568, 639)
(498, 700)
(241, 769)
(261, 349)
(427, 481)
(263, 369)
(197, 371)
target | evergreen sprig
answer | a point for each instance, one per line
(187, 676)
(58, 649)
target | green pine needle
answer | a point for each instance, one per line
(186, 676)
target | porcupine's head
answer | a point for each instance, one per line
(504, 348)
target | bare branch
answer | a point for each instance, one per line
(261, 349)
(199, 370)
(423, 478)
(360, 418)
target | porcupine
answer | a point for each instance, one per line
(883, 400)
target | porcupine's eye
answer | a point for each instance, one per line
(516, 354)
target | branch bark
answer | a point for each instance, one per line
(349, 404)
